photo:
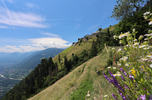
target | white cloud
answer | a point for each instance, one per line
(50, 34)
(31, 5)
(20, 19)
(1, 26)
(49, 42)
(36, 44)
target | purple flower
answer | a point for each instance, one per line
(123, 97)
(107, 77)
(112, 75)
(123, 78)
(143, 97)
(124, 73)
(114, 96)
(121, 69)
(115, 82)
(131, 77)
(126, 87)
(150, 97)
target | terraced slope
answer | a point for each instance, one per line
(76, 84)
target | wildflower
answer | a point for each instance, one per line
(113, 48)
(150, 97)
(88, 95)
(119, 64)
(135, 40)
(136, 44)
(133, 72)
(140, 37)
(131, 77)
(114, 36)
(146, 13)
(146, 48)
(126, 64)
(134, 30)
(105, 95)
(142, 67)
(114, 96)
(123, 35)
(109, 67)
(143, 97)
(150, 23)
(149, 56)
(123, 78)
(114, 67)
(119, 49)
(146, 39)
(107, 77)
(150, 65)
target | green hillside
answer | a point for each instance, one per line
(75, 85)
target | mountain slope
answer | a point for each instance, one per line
(65, 88)
(33, 60)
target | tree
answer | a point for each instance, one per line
(99, 29)
(108, 32)
(93, 51)
(126, 8)
(59, 59)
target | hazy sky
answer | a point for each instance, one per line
(27, 25)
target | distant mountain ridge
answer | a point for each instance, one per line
(35, 58)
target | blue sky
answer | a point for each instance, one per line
(29, 25)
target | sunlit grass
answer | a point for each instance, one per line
(65, 87)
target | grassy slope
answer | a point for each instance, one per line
(71, 83)
(85, 45)
(110, 28)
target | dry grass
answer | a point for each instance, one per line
(63, 88)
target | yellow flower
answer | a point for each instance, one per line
(143, 67)
(133, 72)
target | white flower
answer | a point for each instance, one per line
(141, 36)
(119, 64)
(113, 48)
(127, 64)
(114, 36)
(146, 48)
(114, 67)
(150, 56)
(109, 67)
(114, 74)
(146, 13)
(150, 65)
(146, 39)
(119, 49)
(118, 74)
(105, 95)
(136, 44)
(135, 40)
(150, 23)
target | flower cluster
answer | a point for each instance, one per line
(133, 77)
